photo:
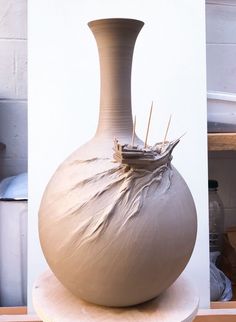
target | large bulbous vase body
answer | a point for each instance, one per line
(113, 235)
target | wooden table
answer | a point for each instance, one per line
(221, 141)
(53, 303)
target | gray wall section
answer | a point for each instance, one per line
(221, 45)
(13, 86)
(13, 132)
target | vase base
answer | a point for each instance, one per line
(54, 303)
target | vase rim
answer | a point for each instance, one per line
(115, 20)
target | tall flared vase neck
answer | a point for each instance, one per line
(115, 41)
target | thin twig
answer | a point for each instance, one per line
(149, 121)
(134, 126)
(167, 129)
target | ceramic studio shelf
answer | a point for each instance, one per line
(221, 141)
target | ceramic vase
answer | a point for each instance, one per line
(116, 235)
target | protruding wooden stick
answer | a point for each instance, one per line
(149, 121)
(133, 134)
(182, 135)
(167, 129)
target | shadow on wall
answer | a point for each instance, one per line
(13, 133)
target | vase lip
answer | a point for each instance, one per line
(115, 20)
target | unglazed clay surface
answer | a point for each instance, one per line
(114, 235)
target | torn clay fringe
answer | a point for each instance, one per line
(135, 185)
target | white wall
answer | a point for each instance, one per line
(13, 86)
(221, 75)
(168, 68)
